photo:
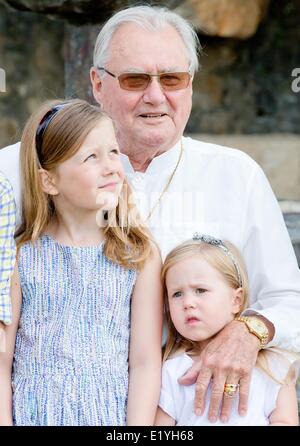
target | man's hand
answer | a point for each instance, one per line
(227, 359)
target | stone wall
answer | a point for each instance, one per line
(245, 85)
(31, 52)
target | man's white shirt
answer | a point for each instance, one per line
(220, 192)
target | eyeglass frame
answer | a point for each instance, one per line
(148, 74)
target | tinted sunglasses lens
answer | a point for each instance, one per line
(174, 81)
(135, 82)
(140, 81)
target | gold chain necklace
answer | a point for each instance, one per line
(168, 182)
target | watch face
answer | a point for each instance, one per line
(258, 326)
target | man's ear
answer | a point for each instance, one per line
(96, 84)
(238, 300)
(47, 182)
(192, 79)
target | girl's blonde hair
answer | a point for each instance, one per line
(219, 260)
(127, 241)
(235, 278)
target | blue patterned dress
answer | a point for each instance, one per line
(71, 358)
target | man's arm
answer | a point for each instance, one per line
(274, 276)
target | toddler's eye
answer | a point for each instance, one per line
(116, 151)
(177, 294)
(92, 156)
(200, 290)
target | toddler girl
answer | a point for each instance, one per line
(206, 287)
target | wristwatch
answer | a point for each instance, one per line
(257, 327)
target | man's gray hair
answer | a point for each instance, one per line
(152, 18)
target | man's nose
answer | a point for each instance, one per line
(154, 93)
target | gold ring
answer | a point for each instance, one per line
(230, 389)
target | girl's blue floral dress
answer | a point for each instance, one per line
(71, 358)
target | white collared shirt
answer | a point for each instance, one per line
(220, 192)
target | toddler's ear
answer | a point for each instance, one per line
(47, 182)
(237, 300)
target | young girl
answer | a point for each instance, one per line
(82, 254)
(206, 287)
(7, 252)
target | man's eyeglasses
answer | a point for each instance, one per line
(140, 81)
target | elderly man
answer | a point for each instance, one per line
(144, 62)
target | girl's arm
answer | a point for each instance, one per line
(163, 419)
(6, 357)
(286, 411)
(145, 344)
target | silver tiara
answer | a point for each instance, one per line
(217, 242)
